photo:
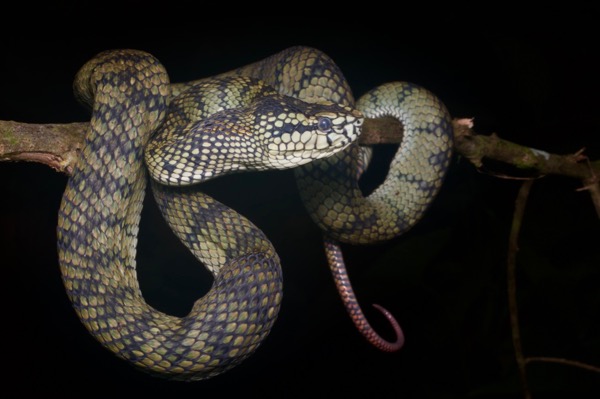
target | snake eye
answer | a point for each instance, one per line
(324, 124)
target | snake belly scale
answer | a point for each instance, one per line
(291, 109)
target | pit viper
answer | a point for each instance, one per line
(293, 109)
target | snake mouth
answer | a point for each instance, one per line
(318, 146)
(315, 144)
(329, 141)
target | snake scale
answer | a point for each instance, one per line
(293, 108)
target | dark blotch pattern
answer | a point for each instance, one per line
(131, 100)
(98, 225)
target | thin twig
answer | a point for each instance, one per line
(566, 362)
(511, 263)
(592, 185)
(594, 190)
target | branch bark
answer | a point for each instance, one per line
(55, 145)
(476, 148)
(58, 146)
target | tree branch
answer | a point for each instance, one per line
(386, 130)
(57, 145)
(477, 147)
(566, 362)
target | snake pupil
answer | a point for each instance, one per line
(325, 124)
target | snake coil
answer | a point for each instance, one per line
(294, 108)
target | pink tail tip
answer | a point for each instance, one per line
(399, 342)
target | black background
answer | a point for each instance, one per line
(530, 77)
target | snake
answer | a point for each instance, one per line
(295, 110)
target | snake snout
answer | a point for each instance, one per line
(318, 136)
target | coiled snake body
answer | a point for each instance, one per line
(294, 108)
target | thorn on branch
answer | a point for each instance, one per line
(579, 156)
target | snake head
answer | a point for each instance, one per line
(273, 132)
(293, 132)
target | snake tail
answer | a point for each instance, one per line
(342, 281)
(97, 236)
(330, 191)
(329, 187)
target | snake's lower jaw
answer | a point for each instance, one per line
(318, 147)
